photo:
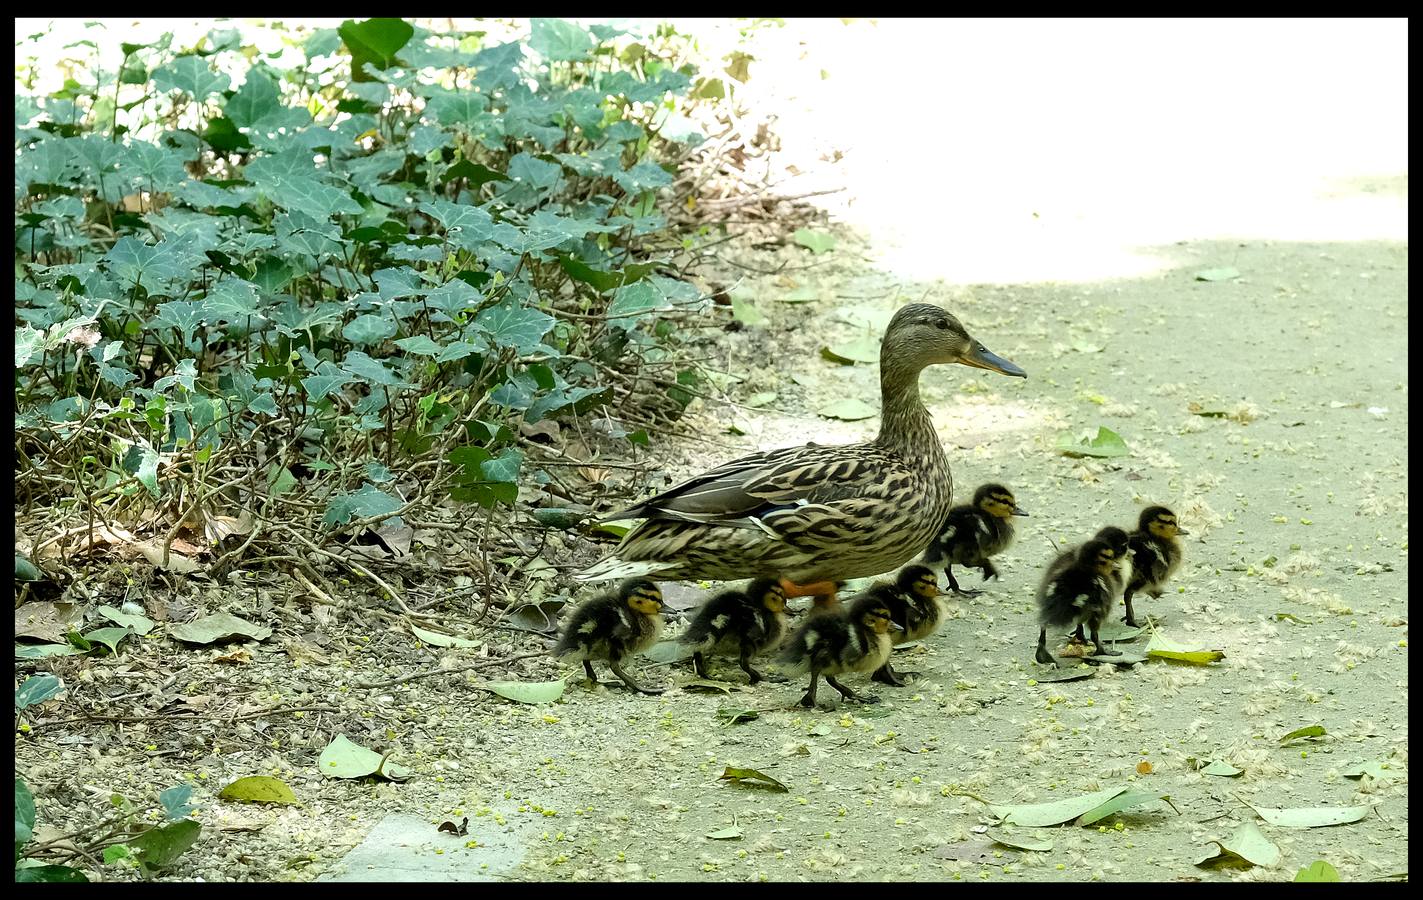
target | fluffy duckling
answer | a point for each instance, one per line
(973, 532)
(743, 622)
(1083, 592)
(614, 626)
(1155, 554)
(914, 605)
(857, 640)
(1113, 537)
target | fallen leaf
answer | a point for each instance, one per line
(1221, 769)
(1248, 846)
(753, 778)
(1161, 647)
(862, 350)
(344, 759)
(815, 241)
(218, 627)
(1373, 769)
(1042, 815)
(849, 410)
(1106, 443)
(1311, 816)
(1121, 801)
(730, 833)
(1009, 839)
(1221, 273)
(436, 639)
(1319, 870)
(1307, 731)
(534, 692)
(259, 789)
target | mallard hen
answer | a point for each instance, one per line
(815, 514)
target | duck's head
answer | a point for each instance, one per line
(1160, 521)
(1098, 556)
(918, 581)
(922, 334)
(996, 500)
(876, 617)
(641, 595)
(768, 594)
(1113, 537)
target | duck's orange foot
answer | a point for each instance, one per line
(824, 594)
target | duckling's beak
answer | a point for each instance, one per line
(1019, 511)
(1180, 530)
(981, 357)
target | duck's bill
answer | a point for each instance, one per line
(1019, 511)
(1180, 530)
(981, 357)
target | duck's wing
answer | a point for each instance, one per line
(744, 491)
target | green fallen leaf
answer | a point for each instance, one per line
(259, 789)
(815, 241)
(1311, 816)
(1043, 815)
(850, 410)
(1222, 769)
(745, 312)
(730, 833)
(535, 692)
(48, 875)
(158, 848)
(1117, 804)
(344, 759)
(803, 294)
(216, 628)
(1373, 769)
(1221, 273)
(1123, 658)
(1106, 443)
(1319, 870)
(668, 652)
(1120, 632)
(1248, 846)
(1008, 839)
(1307, 731)
(139, 624)
(1162, 647)
(37, 689)
(1076, 673)
(435, 639)
(26, 570)
(730, 715)
(109, 637)
(753, 778)
(861, 350)
(1283, 616)
(40, 651)
(761, 399)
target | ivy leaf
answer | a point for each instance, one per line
(231, 300)
(512, 325)
(504, 467)
(374, 41)
(364, 503)
(369, 329)
(555, 39)
(255, 101)
(27, 342)
(36, 690)
(453, 297)
(191, 74)
(466, 226)
(372, 370)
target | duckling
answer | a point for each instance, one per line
(857, 640)
(914, 605)
(746, 622)
(973, 532)
(1113, 537)
(1083, 592)
(1155, 554)
(614, 626)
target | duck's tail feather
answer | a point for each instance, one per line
(613, 567)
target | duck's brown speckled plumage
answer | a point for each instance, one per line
(816, 513)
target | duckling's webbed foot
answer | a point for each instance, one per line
(988, 570)
(592, 676)
(849, 695)
(1043, 656)
(954, 584)
(633, 685)
(808, 701)
(885, 674)
(1101, 648)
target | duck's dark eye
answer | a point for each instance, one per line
(942, 324)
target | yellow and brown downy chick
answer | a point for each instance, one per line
(1155, 554)
(856, 640)
(974, 532)
(613, 627)
(742, 623)
(915, 606)
(1084, 592)
(1113, 537)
